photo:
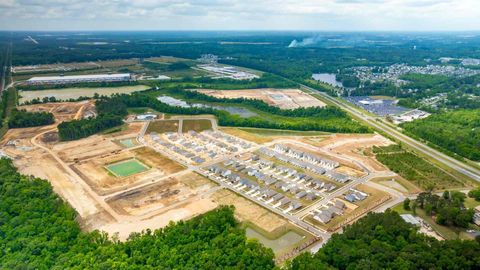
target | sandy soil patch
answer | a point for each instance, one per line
(282, 98)
(124, 228)
(63, 111)
(354, 147)
(93, 146)
(246, 210)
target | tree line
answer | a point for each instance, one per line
(112, 109)
(23, 119)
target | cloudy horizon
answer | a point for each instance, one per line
(308, 15)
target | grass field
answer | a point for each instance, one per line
(68, 93)
(126, 168)
(196, 125)
(162, 126)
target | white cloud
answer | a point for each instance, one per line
(241, 14)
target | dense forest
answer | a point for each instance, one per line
(39, 231)
(456, 131)
(22, 119)
(385, 241)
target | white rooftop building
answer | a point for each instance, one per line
(121, 77)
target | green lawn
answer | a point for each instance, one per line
(471, 203)
(126, 168)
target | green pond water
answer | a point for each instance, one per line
(279, 244)
(128, 143)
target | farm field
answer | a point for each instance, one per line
(74, 93)
(417, 170)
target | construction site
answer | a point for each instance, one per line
(282, 98)
(155, 171)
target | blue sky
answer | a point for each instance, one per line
(317, 15)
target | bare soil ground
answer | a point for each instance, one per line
(93, 170)
(400, 184)
(92, 147)
(63, 111)
(354, 147)
(124, 228)
(154, 159)
(282, 98)
(246, 210)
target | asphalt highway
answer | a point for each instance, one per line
(454, 164)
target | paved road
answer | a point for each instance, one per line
(456, 165)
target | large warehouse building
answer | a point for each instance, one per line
(80, 79)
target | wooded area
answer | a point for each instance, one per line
(456, 131)
(23, 119)
(385, 241)
(39, 231)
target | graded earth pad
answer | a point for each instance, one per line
(127, 168)
(282, 98)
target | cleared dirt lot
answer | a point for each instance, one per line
(246, 210)
(282, 98)
(93, 171)
(63, 111)
(354, 146)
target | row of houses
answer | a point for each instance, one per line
(182, 152)
(211, 144)
(252, 189)
(230, 139)
(311, 158)
(295, 176)
(318, 168)
(285, 178)
(294, 161)
(329, 211)
(354, 195)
